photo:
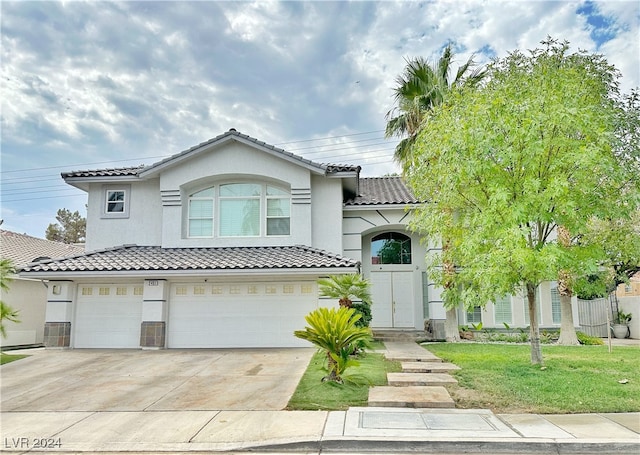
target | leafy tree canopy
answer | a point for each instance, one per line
(536, 147)
(71, 227)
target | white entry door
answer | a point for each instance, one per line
(392, 295)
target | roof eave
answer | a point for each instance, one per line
(306, 271)
(84, 182)
(382, 206)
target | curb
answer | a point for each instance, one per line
(518, 446)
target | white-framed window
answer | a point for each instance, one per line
(278, 211)
(201, 213)
(556, 312)
(116, 201)
(502, 310)
(474, 316)
(239, 209)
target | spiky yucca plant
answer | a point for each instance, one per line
(335, 331)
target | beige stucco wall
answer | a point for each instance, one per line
(632, 305)
(30, 298)
(142, 227)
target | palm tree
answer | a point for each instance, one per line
(6, 312)
(346, 288)
(419, 89)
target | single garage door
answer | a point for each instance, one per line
(205, 315)
(108, 316)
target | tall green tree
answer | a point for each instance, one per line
(70, 228)
(7, 313)
(531, 150)
(419, 89)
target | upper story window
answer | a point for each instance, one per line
(391, 248)
(239, 210)
(116, 201)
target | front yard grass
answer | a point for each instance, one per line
(312, 394)
(6, 358)
(574, 379)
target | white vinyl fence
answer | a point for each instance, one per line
(592, 316)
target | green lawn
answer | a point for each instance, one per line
(573, 380)
(6, 358)
(311, 393)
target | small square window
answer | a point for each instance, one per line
(198, 290)
(116, 201)
(137, 290)
(270, 290)
(87, 291)
(181, 290)
(306, 289)
(121, 291)
(287, 289)
(234, 289)
(252, 289)
(104, 291)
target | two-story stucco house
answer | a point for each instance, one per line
(221, 246)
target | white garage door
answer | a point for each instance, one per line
(206, 315)
(108, 316)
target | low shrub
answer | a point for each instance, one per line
(585, 339)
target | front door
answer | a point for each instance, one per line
(392, 297)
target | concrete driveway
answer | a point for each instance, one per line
(127, 380)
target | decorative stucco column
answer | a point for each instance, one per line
(154, 314)
(57, 325)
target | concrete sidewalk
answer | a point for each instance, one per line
(390, 430)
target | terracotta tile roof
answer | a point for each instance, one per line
(383, 191)
(23, 249)
(134, 171)
(153, 258)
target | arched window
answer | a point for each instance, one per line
(242, 209)
(391, 248)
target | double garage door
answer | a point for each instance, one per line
(200, 315)
(207, 315)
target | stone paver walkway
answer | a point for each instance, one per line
(421, 383)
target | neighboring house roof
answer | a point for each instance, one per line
(383, 191)
(23, 249)
(141, 171)
(153, 259)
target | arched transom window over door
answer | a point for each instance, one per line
(391, 248)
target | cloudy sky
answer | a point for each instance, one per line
(89, 85)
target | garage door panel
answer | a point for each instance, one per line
(239, 315)
(107, 317)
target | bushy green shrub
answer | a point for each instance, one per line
(583, 338)
(364, 309)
